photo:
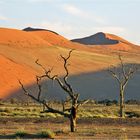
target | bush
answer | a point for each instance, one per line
(13, 100)
(133, 102)
(46, 134)
(5, 110)
(20, 133)
(108, 102)
(133, 114)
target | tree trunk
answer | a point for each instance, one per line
(73, 119)
(122, 115)
(72, 124)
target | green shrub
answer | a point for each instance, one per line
(46, 134)
(3, 114)
(5, 110)
(133, 114)
(16, 113)
(20, 133)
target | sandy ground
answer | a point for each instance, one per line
(91, 128)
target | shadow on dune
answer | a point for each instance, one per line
(96, 39)
(30, 29)
(97, 85)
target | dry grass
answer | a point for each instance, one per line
(90, 110)
(95, 121)
(86, 128)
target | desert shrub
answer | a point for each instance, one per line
(133, 114)
(20, 133)
(5, 110)
(18, 109)
(133, 102)
(17, 113)
(34, 109)
(29, 109)
(108, 102)
(2, 110)
(3, 114)
(13, 100)
(46, 134)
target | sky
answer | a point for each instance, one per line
(74, 18)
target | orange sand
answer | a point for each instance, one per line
(19, 49)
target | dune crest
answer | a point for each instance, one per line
(106, 40)
(14, 37)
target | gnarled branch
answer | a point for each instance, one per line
(65, 86)
(82, 102)
(49, 109)
(66, 69)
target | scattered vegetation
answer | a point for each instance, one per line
(108, 102)
(98, 109)
(132, 102)
(31, 119)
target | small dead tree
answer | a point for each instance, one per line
(69, 112)
(122, 75)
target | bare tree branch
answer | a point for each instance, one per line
(122, 67)
(114, 75)
(49, 109)
(66, 69)
(27, 93)
(82, 102)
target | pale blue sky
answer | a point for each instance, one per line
(74, 18)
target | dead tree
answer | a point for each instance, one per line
(122, 74)
(69, 112)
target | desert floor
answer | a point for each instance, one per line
(94, 122)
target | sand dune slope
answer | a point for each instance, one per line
(10, 73)
(107, 40)
(20, 49)
(13, 37)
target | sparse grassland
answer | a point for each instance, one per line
(89, 110)
(94, 121)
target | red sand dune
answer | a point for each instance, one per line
(13, 37)
(19, 49)
(105, 40)
(52, 38)
(115, 37)
(123, 44)
(10, 73)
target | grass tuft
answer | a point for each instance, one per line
(20, 133)
(46, 134)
